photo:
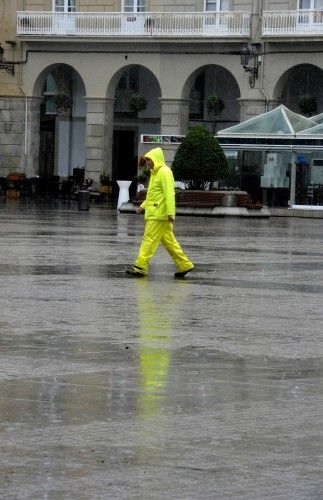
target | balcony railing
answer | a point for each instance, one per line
(144, 24)
(293, 23)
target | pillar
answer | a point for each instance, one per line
(19, 135)
(174, 116)
(251, 107)
(273, 103)
(95, 138)
(31, 136)
(109, 125)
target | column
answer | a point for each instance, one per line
(251, 107)
(273, 103)
(31, 136)
(95, 138)
(174, 116)
(109, 124)
(19, 135)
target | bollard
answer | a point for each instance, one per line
(83, 200)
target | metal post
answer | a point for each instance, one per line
(292, 194)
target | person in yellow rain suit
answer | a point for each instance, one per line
(159, 210)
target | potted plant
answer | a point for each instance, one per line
(16, 176)
(215, 106)
(106, 184)
(307, 104)
(15, 180)
(137, 103)
(63, 102)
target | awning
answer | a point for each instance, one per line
(279, 129)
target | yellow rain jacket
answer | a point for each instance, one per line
(160, 199)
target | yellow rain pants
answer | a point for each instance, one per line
(156, 232)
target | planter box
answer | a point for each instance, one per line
(12, 194)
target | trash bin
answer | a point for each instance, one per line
(83, 200)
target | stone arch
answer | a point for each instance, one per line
(126, 126)
(40, 80)
(62, 110)
(213, 79)
(298, 80)
(112, 85)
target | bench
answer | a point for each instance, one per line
(206, 199)
(196, 199)
(199, 199)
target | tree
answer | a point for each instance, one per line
(199, 159)
(215, 106)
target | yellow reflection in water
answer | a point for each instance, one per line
(157, 310)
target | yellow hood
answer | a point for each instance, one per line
(157, 156)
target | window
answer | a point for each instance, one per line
(64, 5)
(134, 6)
(310, 17)
(129, 80)
(214, 7)
(310, 4)
(217, 5)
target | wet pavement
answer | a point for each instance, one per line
(113, 387)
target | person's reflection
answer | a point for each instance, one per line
(160, 307)
(157, 309)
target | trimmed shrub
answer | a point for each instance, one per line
(199, 159)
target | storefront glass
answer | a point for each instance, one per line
(309, 178)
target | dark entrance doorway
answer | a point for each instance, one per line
(47, 146)
(124, 161)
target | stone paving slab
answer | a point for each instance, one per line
(112, 387)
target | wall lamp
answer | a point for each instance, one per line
(251, 54)
(9, 67)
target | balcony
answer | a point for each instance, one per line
(295, 23)
(144, 24)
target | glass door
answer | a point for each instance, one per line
(131, 24)
(64, 20)
(215, 7)
(134, 6)
(311, 13)
(64, 6)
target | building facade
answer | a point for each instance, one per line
(71, 67)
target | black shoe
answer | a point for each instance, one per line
(133, 272)
(182, 274)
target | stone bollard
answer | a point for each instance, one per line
(83, 200)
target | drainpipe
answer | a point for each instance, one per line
(262, 76)
(267, 99)
(26, 125)
(26, 135)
